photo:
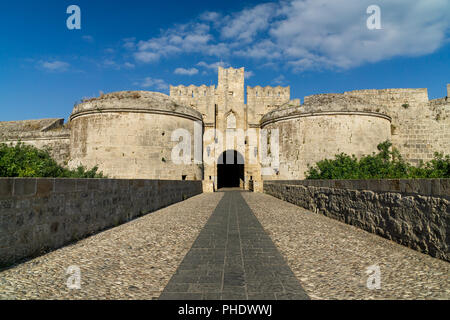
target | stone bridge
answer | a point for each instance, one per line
(230, 245)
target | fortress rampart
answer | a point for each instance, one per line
(324, 126)
(261, 100)
(419, 127)
(50, 134)
(201, 98)
(132, 130)
(128, 133)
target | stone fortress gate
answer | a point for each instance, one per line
(240, 143)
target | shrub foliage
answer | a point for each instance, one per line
(23, 160)
(386, 164)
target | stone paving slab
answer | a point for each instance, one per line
(331, 258)
(233, 259)
(132, 261)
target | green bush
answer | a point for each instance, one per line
(23, 160)
(386, 164)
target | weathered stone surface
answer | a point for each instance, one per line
(128, 134)
(330, 258)
(132, 261)
(6, 187)
(421, 222)
(49, 134)
(45, 214)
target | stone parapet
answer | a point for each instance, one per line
(414, 213)
(136, 102)
(38, 215)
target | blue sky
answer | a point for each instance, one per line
(315, 46)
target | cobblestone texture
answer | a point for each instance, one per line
(420, 221)
(330, 258)
(132, 261)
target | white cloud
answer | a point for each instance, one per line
(210, 16)
(187, 38)
(112, 64)
(146, 57)
(129, 43)
(109, 63)
(265, 49)
(280, 80)
(248, 74)
(54, 66)
(187, 72)
(157, 84)
(247, 23)
(88, 38)
(213, 66)
(333, 34)
(306, 34)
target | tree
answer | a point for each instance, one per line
(386, 164)
(23, 160)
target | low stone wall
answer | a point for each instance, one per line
(37, 215)
(414, 213)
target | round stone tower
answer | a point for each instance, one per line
(129, 135)
(325, 125)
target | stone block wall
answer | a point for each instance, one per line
(131, 135)
(50, 134)
(419, 127)
(37, 215)
(305, 139)
(414, 213)
(201, 98)
(261, 100)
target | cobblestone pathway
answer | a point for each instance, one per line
(233, 259)
(132, 261)
(232, 245)
(331, 258)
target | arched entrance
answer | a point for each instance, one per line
(230, 169)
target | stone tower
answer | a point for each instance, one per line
(224, 110)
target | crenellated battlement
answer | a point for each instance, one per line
(192, 91)
(259, 92)
(393, 97)
(231, 74)
(128, 133)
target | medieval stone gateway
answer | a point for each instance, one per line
(128, 134)
(291, 239)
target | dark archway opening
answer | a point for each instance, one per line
(230, 169)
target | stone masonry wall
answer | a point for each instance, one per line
(414, 213)
(306, 139)
(50, 134)
(200, 98)
(261, 100)
(37, 215)
(419, 127)
(131, 145)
